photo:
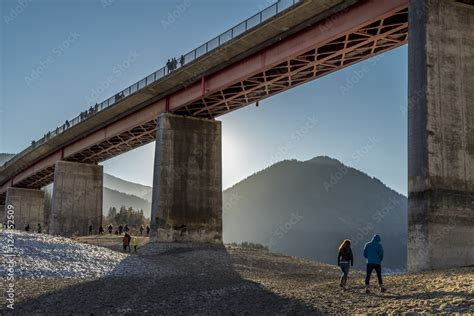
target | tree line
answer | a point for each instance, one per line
(129, 216)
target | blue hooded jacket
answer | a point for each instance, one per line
(373, 250)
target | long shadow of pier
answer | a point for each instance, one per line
(180, 279)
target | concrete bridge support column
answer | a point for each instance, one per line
(77, 199)
(2, 214)
(441, 135)
(187, 185)
(28, 207)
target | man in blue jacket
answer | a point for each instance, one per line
(373, 252)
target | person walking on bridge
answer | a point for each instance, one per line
(373, 252)
(174, 63)
(345, 259)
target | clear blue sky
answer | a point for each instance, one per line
(58, 57)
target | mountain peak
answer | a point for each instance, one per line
(325, 160)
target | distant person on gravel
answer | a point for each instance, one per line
(373, 252)
(110, 229)
(39, 228)
(147, 230)
(126, 229)
(120, 229)
(90, 230)
(141, 230)
(27, 228)
(101, 230)
(345, 259)
(126, 242)
(135, 244)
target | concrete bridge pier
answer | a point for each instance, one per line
(187, 185)
(77, 199)
(2, 213)
(28, 206)
(441, 135)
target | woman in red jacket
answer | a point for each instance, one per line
(344, 261)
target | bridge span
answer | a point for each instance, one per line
(285, 45)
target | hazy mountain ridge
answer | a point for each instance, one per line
(301, 208)
(295, 208)
(130, 188)
(117, 192)
(114, 198)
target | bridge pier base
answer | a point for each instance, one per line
(441, 135)
(28, 208)
(77, 199)
(187, 185)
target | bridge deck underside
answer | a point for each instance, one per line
(377, 37)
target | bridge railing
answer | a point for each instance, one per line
(250, 23)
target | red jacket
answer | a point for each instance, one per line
(126, 240)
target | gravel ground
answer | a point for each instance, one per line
(45, 256)
(211, 280)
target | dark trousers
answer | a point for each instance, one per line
(378, 270)
(345, 272)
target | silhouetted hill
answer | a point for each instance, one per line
(307, 208)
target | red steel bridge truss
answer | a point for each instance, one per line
(376, 37)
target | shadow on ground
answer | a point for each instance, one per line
(178, 279)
